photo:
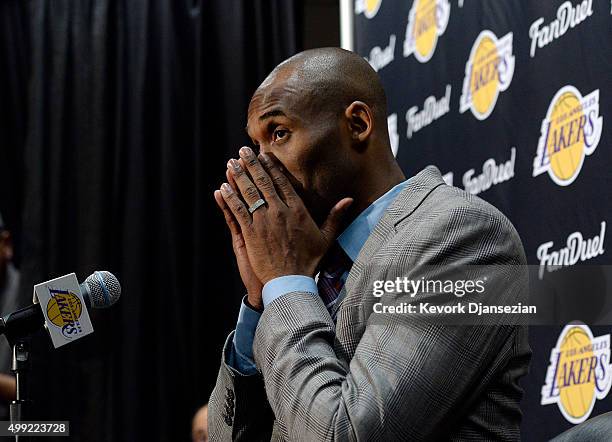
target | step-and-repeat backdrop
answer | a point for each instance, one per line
(512, 100)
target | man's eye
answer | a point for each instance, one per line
(279, 134)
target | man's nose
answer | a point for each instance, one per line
(265, 148)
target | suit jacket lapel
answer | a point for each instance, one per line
(417, 188)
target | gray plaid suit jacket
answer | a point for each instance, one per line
(390, 378)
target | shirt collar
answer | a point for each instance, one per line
(355, 235)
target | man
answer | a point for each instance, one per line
(9, 288)
(325, 198)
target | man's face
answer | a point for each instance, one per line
(286, 121)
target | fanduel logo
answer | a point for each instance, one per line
(577, 249)
(568, 16)
(492, 174)
(379, 57)
(432, 110)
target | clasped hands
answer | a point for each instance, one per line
(280, 237)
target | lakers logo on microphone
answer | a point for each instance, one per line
(570, 132)
(369, 8)
(64, 311)
(488, 71)
(579, 372)
(427, 21)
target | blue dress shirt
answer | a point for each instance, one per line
(351, 240)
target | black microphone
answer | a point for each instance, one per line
(101, 289)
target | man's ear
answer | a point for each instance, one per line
(360, 121)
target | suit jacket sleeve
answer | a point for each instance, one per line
(407, 380)
(238, 408)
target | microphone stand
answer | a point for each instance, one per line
(19, 409)
(19, 338)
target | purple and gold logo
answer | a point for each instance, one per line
(570, 132)
(427, 21)
(369, 8)
(579, 372)
(488, 71)
(64, 310)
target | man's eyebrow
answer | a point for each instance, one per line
(272, 113)
(269, 114)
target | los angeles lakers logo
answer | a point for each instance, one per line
(579, 372)
(570, 132)
(64, 311)
(488, 72)
(427, 21)
(369, 8)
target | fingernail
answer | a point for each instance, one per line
(265, 159)
(235, 165)
(245, 152)
(226, 189)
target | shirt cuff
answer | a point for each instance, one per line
(241, 358)
(286, 284)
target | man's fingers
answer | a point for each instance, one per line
(331, 226)
(235, 204)
(238, 243)
(232, 182)
(247, 189)
(259, 176)
(252, 180)
(281, 182)
(229, 216)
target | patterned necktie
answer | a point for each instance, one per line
(335, 268)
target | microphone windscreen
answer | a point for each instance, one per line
(104, 289)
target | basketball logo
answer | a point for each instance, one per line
(369, 8)
(488, 71)
(579, 372)
(570, 132)
(64, 311)
(427, 21)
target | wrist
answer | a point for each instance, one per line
(254, 302)
(287, 272)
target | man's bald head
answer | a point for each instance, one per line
(332, 78)
(322, 113)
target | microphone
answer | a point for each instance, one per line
(101, 289)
